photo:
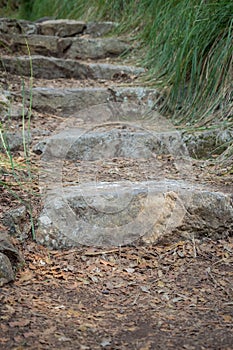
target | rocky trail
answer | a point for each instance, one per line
(133, 219)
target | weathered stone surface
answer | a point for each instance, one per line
(122, 143)
(13, 141)
(18, 223)
(68, 102)
(203, 144)
(16, 111)
(10, 257)
(53, 68)
(55, 27)
(81, 144)
(108, 214)
(14, 26)
(7, 248)
(140, 95)
(96, 29)
(61, 27)
(6, 271)
(74, 48)
(96, 48)
(38, 44)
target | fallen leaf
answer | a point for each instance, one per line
(21, 323)
(25, 276)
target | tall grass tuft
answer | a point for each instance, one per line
(186, 45)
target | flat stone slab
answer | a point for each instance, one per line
(67, 28)
(74, 48)
(68, 102)
(59, 27)
(54, 68)
(117, 140)
(121, 213)
(14, 141)
(13, 26)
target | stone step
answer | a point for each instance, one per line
(61, 27)
(66, 28)
(197, 145)
(111, 140)
(120, 213)
(74, 48)
(54, 68)
(69, 102)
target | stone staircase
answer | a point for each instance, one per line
(113, 171)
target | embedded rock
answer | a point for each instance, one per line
(74, 48)
(38, 44)
(113, 214)
(121, 141)
(54, 68)
(68, 102)
(6, 271)
(10, 257)
(14, 26)
(96, 48)
(61, 27)
(14, 141)
(18, 222)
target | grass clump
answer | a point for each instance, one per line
(186, 45)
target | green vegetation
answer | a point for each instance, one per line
(16, 171)
(186, 45)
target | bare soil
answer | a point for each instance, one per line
(176, 296)
(165, 297)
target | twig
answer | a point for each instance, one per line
(217, 284)
(135, 299)
(101, 252)
(194, 248)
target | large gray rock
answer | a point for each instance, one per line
(55, 27)
(116, 143)
(123, 140)
(14, 26)
(14, 141)
(68, 102)
(16, 220)
(6, 271)
(38, 44)
(82, 48)
(10, 258)
(113, 214)
(54, 68)
(68, 28)
(74, 48)
(61, 27)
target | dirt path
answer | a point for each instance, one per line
(175, 296)
(171, 296)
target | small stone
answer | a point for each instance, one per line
(17, 221)
(6, 271)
